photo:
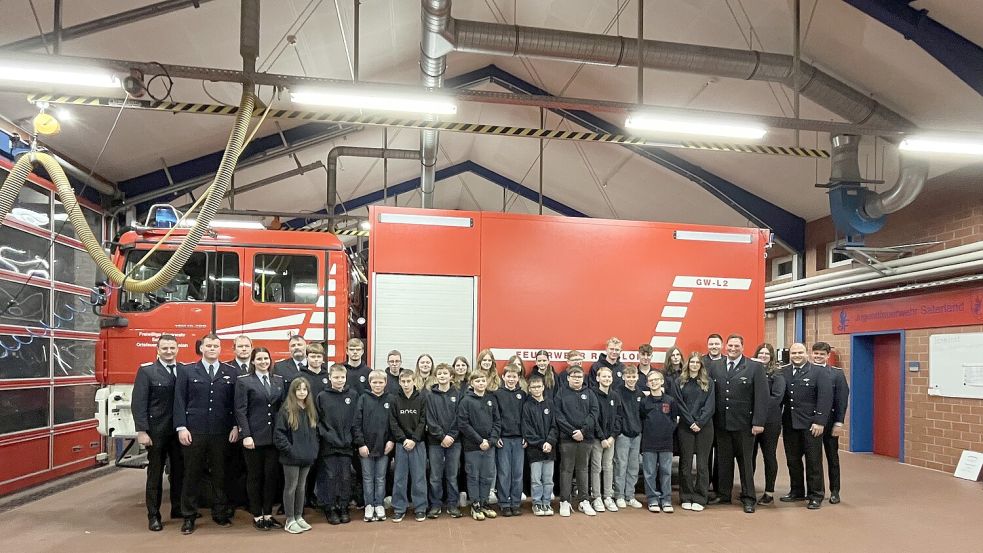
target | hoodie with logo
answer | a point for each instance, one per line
(407, 417)
(478, 419)
(442, 414)
(371, 426)
(658, 416)
(629, 411)
(336, 419)
(510, 410)
(576, 410)
(538, 428)
(608, 403)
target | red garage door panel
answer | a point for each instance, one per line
(23, 458)
(76, 445)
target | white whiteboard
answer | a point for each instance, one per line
(955, 365)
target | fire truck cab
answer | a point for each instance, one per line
(265, 284)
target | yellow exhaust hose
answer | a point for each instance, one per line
(18, 175)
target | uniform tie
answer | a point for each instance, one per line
(266, 384)
(170, 369)
(211, 371)
(730, 366)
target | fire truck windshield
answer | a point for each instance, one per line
(207, 276)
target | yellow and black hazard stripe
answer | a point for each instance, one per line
(339, 232)
(452, 126)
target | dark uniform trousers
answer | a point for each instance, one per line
(166, 450)
(206, 451)
(741, 395)
(767, 442)
(808, 398)
(831, 445)
(235, 466)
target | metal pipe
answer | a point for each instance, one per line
(58, 28)
(435, 17)
(265, 213)
(780, 309)
(357, 151)
(796, 60)
(641, 43)
(911, 181)
(105, 23)
(249, 36)
(267, 180)
(355, 34)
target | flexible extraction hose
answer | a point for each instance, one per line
(18, 175)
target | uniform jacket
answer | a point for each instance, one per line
(808, 396)
(538, 428)
(776, 396)
(477, 420)
(336, 420)
(287, 368)
(841, 396)
(203, 404)
(234, 363)
(576, 410)
(255, 409)
(152, 402)
(741, 394)
(442, 414)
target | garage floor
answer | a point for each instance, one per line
(887, 507)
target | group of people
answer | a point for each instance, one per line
(299, 430)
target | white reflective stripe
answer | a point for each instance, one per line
(670, 327)
(332, 285)
(331, 350)
(281, 334)
(313, 334)
(334, 269)
(663, 341)
(432, 220)
(318, 317)
(713, 236)
(658, 357)
(678, 296)
(674, 311)
(289, 320)
(722, 283)
(332, 302)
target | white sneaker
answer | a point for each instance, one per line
(369, 513)
(380, 512)
(620, 503)
(549, 511)
(598, 505)
(564, 508)
(303, 524)
(610, 505)
(687, 506)
(293, 528)
(697, 507)
(667, 509)
(585, 507)
(654, 509)
(634, 503)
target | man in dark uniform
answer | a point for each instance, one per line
(203, 414)
(235, 468)
(805, 412)
(837, 415)
(291, 367)
(152, 404)
(742, 392)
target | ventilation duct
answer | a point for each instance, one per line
(435, 16)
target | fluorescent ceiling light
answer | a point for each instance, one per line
(431, 220)
(226, 223)
(667, 124)
(699, 236)
(365, 225)
(369, 100)
(943, 145)
(76, 75)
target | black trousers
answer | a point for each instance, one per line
(693, 489)
(735, 444)
(831, 444)
(310, 491)
(574, 463)
(334, 481)
(235, 476)
(206, 453)
(166, 449)
(767, 442)
(262, 467)
(799, 444)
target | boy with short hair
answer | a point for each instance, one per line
(371, 437)
(407, 425)
(576, 417)
(509, 455)
(540, 434)
(358, 371)
(336, 406)
(659, 417)
(612, 360)
(394, 366)
(627, 444)
(644, 366)
(479, 426)
(443, 447)
(602, 450)
(574, 359)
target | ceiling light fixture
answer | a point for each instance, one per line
(73, 75)
(369, 100)
(939, 144)
(666, 124)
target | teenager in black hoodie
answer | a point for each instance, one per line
(576, 416)
(479, 425)
(336, 406)
(602, 450)
(373, 442)
(627, 445)
(509, 454)
(443, 447)
(540, 433)
(407, 425)
(658, 414)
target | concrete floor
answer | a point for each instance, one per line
(886, 507)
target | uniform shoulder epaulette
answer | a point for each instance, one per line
(147, 364)
(243, 375)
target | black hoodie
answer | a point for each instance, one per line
(658, 423)
(510, 410)
(608, 403)
(336, 420)
(297, 447)
(538, 428)
(407, 417)
(576, 410)
(442, 414)
(371, 426)
(629, 411)
(358, 377)
(477, 420)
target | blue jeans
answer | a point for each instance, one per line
(413, 465)
(541, 478)
(445, 463)
(626, 460)
(479, 466)
(657, 467)
(509, 460)
(374, 479)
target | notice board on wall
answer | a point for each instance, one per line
(956, 365)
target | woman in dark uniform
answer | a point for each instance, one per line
(767, 441)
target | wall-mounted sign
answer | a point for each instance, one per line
(937, 310)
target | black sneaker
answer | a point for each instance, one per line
(343, 515)
(333, 517)
(398, 517)
(420, 516)
(454, 512)
(189, 526)
(506, 511)
(273, 523)
(434, 513)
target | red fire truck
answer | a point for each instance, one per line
(441, 282)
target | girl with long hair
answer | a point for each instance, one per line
(296, 438)
(767, 441)
(695, 432)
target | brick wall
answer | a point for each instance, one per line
(937, 429)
